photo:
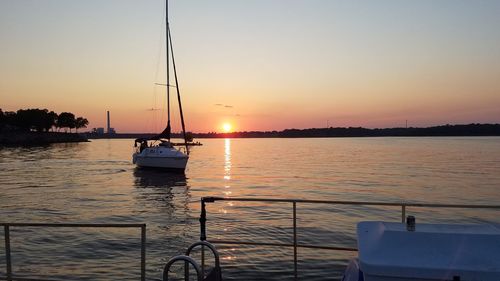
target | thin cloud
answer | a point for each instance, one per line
(224, 105)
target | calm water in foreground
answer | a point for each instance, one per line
(96, 183)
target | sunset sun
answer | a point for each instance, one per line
(226, 127)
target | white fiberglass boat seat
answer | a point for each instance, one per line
(424, 252)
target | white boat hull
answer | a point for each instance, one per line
(161, 157)
(391, 251)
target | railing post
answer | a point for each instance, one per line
(8, 260)
(143, 252)
(203, 234)
(203, 261)
(203, 220)
(403, 213)
(295, 240)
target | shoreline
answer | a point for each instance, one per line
(39, 138)
(470, 130)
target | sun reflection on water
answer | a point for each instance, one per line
(227, 166)
(227, 254)
(227, 173)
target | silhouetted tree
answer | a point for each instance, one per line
(50, 120)
(34, 119)
(81, 122)
(66, 120)
(189, 136)
(39, 120)
(22, 119)
(10, 118)
(2, 119)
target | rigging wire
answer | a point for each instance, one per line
(154, 124)
(178, 90)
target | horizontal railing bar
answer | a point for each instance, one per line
(90, 225)
(327, 248)
(228, 242)
(14, 278)
(142, 226)
(366, 203)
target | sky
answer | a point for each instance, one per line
(256, 64)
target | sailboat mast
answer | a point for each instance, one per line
(167, 36)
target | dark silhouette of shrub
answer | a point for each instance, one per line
(81, 122)
(66, 120)
(39, 120)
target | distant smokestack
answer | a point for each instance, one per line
(109, 125)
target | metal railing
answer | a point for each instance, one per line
(294, 202)
(8, 257)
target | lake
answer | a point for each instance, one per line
(96, 182)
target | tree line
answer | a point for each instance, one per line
(435, 131)
(40, 120)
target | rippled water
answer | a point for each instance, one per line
(96, 183)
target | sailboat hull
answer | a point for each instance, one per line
(162, 158)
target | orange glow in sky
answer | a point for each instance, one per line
(303, 64)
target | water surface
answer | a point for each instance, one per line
(96, 183)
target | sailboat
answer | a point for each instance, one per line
(158, 151)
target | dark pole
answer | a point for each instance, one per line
(8, 258)
(295, 240)
(203, 220)
(178, 93)
(168, 68)
(143, 252)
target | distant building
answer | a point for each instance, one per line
(109, 123)
(109, 131)
(99, 131)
